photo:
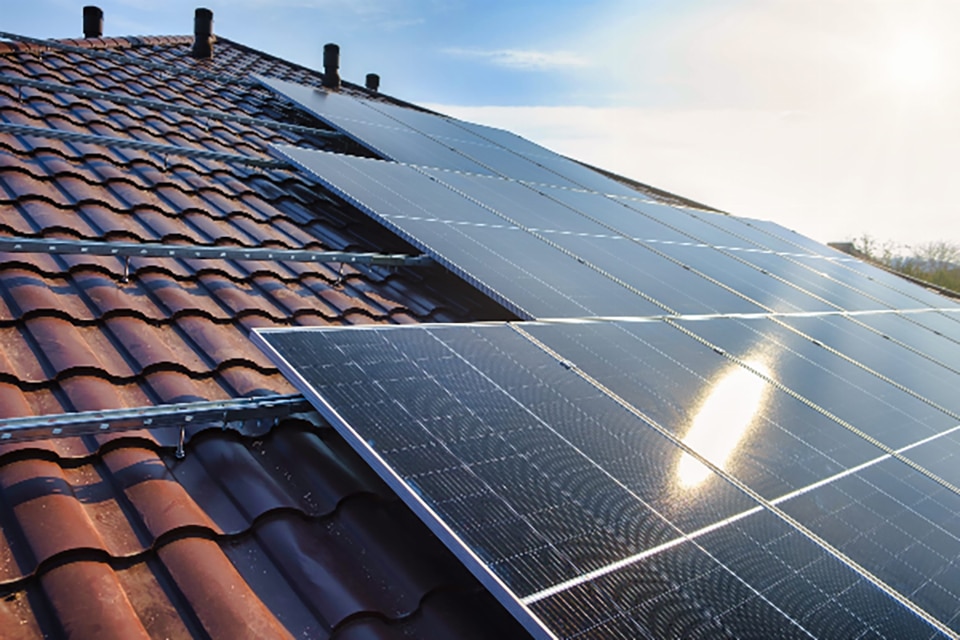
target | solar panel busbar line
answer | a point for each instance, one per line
(579, 469)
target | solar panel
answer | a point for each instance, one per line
(758, 440)
(678, 264)
(421, 138)
(631, 479)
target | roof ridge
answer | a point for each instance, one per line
(26, 44)
(121, 42)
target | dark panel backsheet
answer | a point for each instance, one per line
(550, 457)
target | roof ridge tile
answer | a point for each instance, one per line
(124, 42)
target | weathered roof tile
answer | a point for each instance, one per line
(201, 572)
(115, 617)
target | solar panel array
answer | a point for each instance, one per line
(711, 426)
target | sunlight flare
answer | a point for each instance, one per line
(722, 421)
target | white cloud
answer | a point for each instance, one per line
(523, 59)
(773, 53)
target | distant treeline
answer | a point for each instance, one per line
(936, 262)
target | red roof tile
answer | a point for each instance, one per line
(279, 535)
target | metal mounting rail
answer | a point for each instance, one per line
(246, 415)
(140, 62)
(128, 143)
(151, 250)
(165, 106)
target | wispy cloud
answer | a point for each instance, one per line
(523, 59)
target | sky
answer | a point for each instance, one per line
(836, 118)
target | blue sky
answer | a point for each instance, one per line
(833, 117)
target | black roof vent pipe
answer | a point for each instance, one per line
(203, 37)
(373, 82)
(331, 66)
(92, 22)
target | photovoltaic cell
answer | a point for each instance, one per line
(550, 457)
(503, 162)
(617, 215)
(412, 148)
(432, 125)
(808, 245)
(839, 274)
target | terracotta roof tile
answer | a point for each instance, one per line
(12, 399)
(29, 293)
(161, 503)
(243, 381)
(154, 602)
(73, 263)
(107, 297)
(66, 348)
(115, 617)
(176, 386)
(93, 392)
(41, 500)
(222, 345)
(239, 297)
(146, 346)
(76, 191)
(18, 361)
(176, 298)
(22, 185)
(164, 226)
(39, 217)
(199, 569)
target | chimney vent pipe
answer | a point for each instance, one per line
(203, 37)
(373, 82)
(92, 22)
(331, 66)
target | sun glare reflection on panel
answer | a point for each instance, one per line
(721, 422)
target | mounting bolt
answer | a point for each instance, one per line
(181, 454)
